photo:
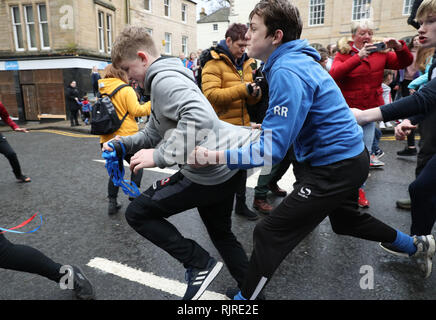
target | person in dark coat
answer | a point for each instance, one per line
(95, 76)
(72, 95)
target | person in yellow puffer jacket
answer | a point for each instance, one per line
(228, 84)
(125, 100)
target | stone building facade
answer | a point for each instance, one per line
(45, 44)
(326, 21)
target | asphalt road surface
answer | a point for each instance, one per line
(68, 189)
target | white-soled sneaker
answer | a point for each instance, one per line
(425, 250)
(199, 279)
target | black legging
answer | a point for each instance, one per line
(27, 259)
(10, 154)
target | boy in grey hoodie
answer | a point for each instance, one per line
(181, 119)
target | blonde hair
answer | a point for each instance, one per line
(112, 72)
(361, 24)
(131, 40)
(422, 57)
(426, 7)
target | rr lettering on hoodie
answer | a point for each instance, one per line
(281, 111)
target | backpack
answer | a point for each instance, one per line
(205, 56)
(104, 119)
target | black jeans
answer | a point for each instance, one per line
(27, 259)
(147, 215)
(74, 117)
(319, 192)
(10, 154)
(423, 198)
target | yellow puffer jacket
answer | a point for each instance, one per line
(124, 101)
(225, 88)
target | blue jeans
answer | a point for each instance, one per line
(377, 136)
(368, 135)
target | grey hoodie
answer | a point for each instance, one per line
(182, 118)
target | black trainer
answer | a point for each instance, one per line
(199, 279)
(113, 206)
(407, 152)
(82, 286)
(241, 209)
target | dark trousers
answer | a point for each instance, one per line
(74, 117)
(9, 153)
(423, 197)
(27, 259)
(320, 192)
(277, 172)
(148, 214)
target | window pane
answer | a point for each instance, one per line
(45, 41)
(20, 40)
(42, 12)
(16, 14)
(29, 14)
(32, 36)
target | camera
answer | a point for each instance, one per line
(378, 47)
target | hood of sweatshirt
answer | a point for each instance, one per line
(294, 47)
(163, 65)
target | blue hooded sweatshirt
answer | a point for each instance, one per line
(306, 109)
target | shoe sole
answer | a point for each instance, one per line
(429, 257)
(213, 273)
(248, 218)
(398, 254)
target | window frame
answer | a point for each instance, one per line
(15, 26)
(168, 43)
(28, 24)
(185, 45)
(362, 14)
(184, 8)
(167, 7)
(312, 17)
(149, 5)
(40, 24)
(108, 32)
(100, 31)
(407, 4)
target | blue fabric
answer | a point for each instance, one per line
(115, 169)
(306, 109)
(404, 243)
(239, 296)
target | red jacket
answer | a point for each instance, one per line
(5, 117)
(360, 80)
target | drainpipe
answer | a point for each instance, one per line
(127, 11)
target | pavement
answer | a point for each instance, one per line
(49, 125)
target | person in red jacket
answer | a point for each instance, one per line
(358, 70)
(7, 150)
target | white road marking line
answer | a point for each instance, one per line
(286, 183)
(148, 279)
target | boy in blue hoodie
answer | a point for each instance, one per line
(308, 111)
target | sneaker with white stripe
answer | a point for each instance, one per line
(425, 250)
(199, 279)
